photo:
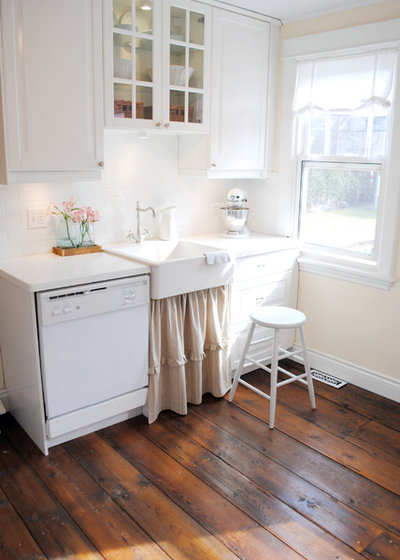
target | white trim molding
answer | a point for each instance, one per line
(342, 41)
(371, 279)
(361, 377)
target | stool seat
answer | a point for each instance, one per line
(277, 317)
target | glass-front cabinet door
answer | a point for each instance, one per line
(185, 64)
(157, 64)
(135, 42)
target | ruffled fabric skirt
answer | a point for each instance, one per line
(189, 350)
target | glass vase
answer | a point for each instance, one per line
(86, 235)
(66, 234)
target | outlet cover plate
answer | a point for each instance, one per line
(38, 218)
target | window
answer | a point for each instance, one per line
(343, 109)
(338, 208)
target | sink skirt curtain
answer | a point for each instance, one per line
(189, 353)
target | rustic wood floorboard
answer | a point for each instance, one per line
(215, 484)
(15, 538)
(295, 418)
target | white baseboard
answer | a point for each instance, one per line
(362, 377)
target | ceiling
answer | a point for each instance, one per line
(294, 10)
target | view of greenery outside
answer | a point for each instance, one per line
(339, 207)
(339, 198)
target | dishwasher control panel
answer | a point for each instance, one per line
(66, 304)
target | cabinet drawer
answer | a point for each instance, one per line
(263, 265)
(275, 290)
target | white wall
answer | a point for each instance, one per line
(135, 169)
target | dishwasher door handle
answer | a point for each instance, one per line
(130, 298)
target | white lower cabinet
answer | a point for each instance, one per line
(51, 121)
(261, 280)
(243, 82)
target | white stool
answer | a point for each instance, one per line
(275, 317)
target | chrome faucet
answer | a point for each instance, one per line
(140, 235)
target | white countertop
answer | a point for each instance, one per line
(255, 244)
(47, 271)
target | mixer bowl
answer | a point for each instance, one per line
(234, 218)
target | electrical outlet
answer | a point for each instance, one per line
(38, 218)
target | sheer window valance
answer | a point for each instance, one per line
(345, 83)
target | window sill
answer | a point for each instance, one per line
(350, 271)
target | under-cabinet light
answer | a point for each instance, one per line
(146, 5)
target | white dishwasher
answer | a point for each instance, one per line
(93, 343)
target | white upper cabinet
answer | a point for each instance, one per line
(243, 82)
(240, 82)
(157, 64)
(52, 106)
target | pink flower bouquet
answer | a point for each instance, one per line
(84, 217)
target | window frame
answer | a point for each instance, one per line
(377, 272)
(342, 264)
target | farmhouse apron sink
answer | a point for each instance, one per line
(179, 267)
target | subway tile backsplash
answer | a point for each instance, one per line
(134, 169)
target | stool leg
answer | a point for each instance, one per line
(274, 379)
(307, 369)
(241, 361)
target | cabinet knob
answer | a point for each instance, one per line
(166, 125)
(157, 124)
(213, 164)
(101, 164)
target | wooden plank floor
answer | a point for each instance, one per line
(215, 484)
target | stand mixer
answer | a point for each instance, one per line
(234, 215)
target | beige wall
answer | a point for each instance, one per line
(355, 323)
(368, 14)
